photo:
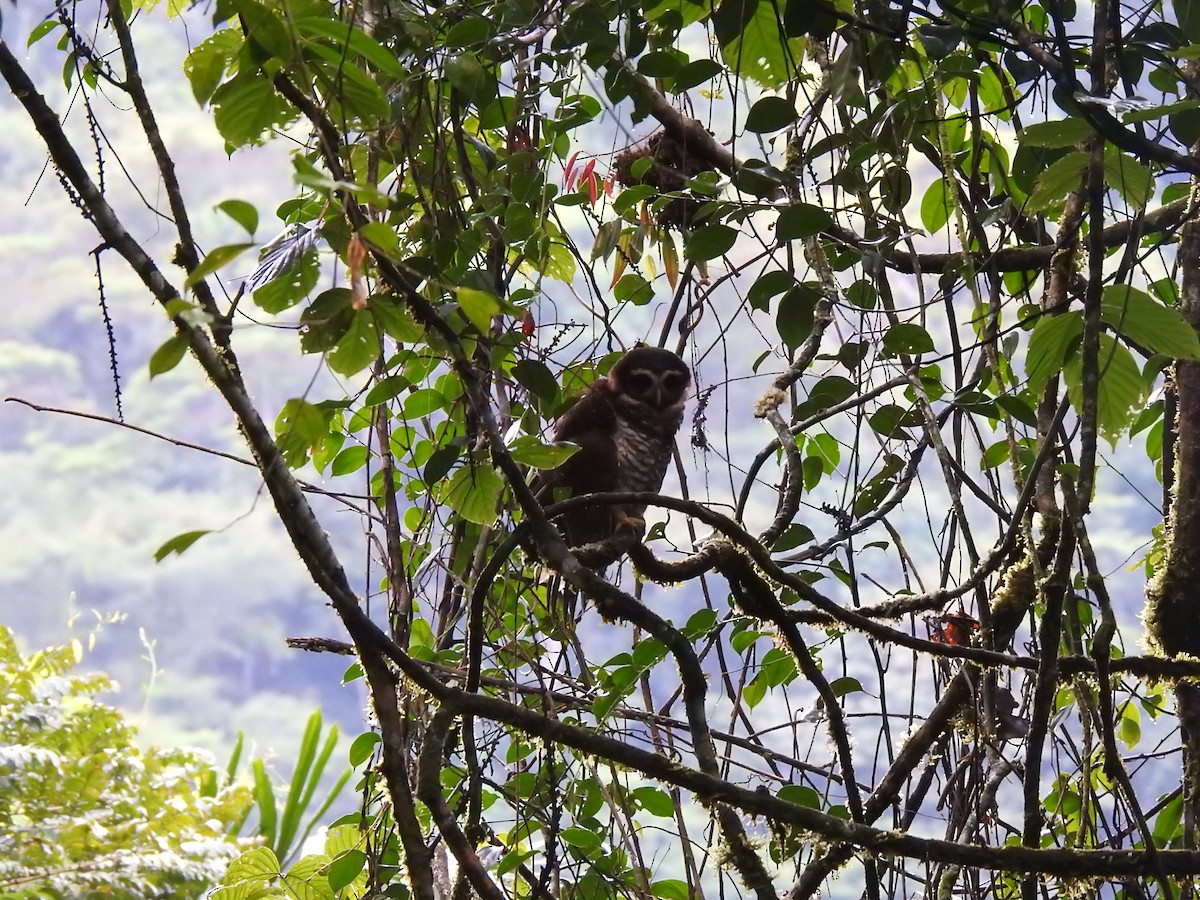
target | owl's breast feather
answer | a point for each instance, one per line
(642, 455)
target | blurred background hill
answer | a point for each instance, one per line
(198, 647)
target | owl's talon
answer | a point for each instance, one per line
(627, 520)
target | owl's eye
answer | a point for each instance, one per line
(640, 382)
(672, 381)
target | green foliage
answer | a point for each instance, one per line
(84, 811)
(931, 316)
(285, 827)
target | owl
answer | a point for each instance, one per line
(625, 427)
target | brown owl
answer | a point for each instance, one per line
(625, 427)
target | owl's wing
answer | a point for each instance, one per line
(591, 423)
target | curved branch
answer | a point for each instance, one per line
(1066, 863)
(1008, 259)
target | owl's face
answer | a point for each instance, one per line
(652, 377)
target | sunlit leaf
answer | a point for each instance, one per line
(936, 205)
(218, 257)
(1120, 387)
(1145, 321)
(168, 355)
(241, 212)
(179, 544)
(1062, 177)
(530, 451)
(1059, 133)
(473, 492)
(345, 868)
(1052, 339)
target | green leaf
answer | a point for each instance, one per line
(265, 29)
(246, 107)
(671, 889)
(696, 73)
(655, 801)
(294, 284)
(354, 39)
(345, 868)
(778, 667)
(700, 624)
(1166, 823)
(581, 838)
(1158, 111)
(340, 838)
(358, 348)
(793, 536)
(479, 307)
(241, 212)
(306, 881)
(349, 460)
(530, 451)
(178, 544)
(1129, 729)
(206, 65)
(845, 685)
(473, 492)
(770, 114)
(168, 355)
(471, 79)
(1119, 392)
(829, 391)
(794, 317)
(995, 455)
(890, 420)
(660, 64)
(1145, 321)
(767, 286)
(42, 29)
(800, 795)
(709, 242)
(382, 237)
(1132, 179)
(422, 402)
(219, 257)
(386, 389)
(936, 206)
(906, 338)
(1053, 338)
(440, 462)
(535, 376)
(363, 748)
(1062, 177)
(752, 43)
(299, 427)
(352, 93)
(259, 865)
(1059, 133)
(755, 691)
(264, 800)
(1018, 408)
(801, 220)
(633, 288)
(305, 776)
(1187, 14)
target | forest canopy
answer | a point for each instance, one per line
(913, 612)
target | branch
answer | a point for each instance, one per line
(1067, 863)
(1008, 259)
(306, 486)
